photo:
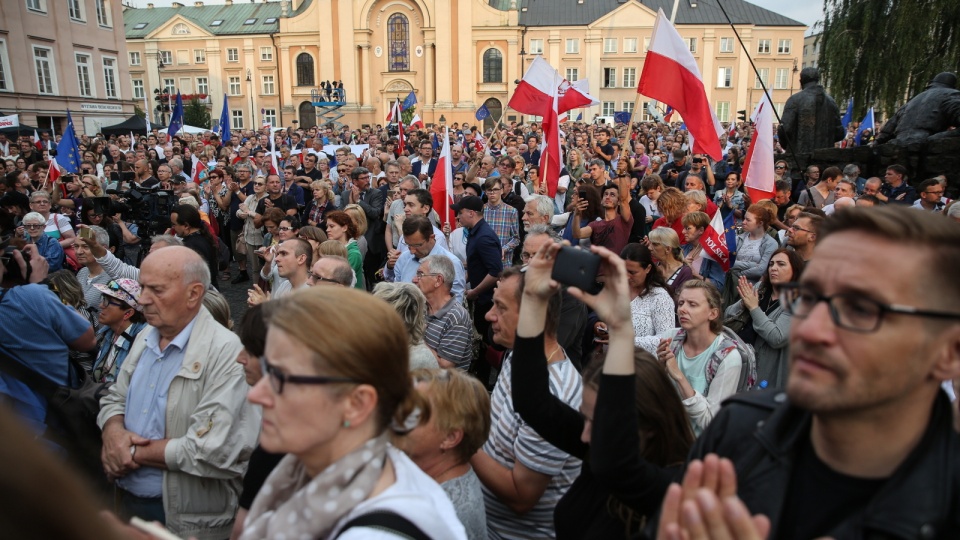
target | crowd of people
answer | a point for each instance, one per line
(400, 373)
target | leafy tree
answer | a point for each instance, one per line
(407, 115)
(138, 111)
(196, 114)
(882, 52)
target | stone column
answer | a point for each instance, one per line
(365, 73)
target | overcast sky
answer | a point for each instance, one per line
(805, 11)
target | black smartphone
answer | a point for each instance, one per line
(578, 268)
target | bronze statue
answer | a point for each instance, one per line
(810, 119)
(929, 115)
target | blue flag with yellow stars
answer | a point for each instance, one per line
(68, 151)
(176, 117)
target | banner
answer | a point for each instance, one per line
(10, 121)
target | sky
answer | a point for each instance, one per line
(805, 11)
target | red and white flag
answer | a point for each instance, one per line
(441, 188)
(550, 158)
(393, 115)
(670, 74)
(540, 84)
(199, 171)
(416, 121)
(575, 95)
(36, 140)
(758, 165)
(53, 173)
(714, 242)
(401, 138)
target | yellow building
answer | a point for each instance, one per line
(453, 54)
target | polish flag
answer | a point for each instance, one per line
(536, 91)
(401, 138)
(199, 171)
(394, 112)
(36, 140)
(717, 239)
(53, 173)
(670, 73)
(416, 121)
(668, 115)
(758, 165)
(441, 188)
(575, 95)
(550, 158)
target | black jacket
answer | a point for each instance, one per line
(761, 432)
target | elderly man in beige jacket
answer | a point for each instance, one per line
(177, 428)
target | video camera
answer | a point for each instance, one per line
(148, 208)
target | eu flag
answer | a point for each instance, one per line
(224, 121)
(482, 112)
(848, 117)
(410, 101)
(176, 118)
(68, 151)
(621, 117)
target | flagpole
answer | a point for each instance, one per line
(46, 176)
(636, 103)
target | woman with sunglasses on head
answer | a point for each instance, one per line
(340, 466)
(251, 236)
(121, 319)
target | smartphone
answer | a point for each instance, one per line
(86, 232)
(578, 268)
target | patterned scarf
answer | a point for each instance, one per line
(293, 505)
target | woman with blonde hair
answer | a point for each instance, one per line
(696, 201)
(575, 164)
(454, 424)
(411, 305)
(321, 205)
(665, 247)
(331, 248)
(339, 465)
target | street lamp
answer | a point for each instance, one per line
(795, 70)
(250, 91)
(162, 90)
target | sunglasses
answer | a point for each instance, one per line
(285, 229)
(259, 183)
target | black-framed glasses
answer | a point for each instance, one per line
(318, 278)
(278, 378)
(795, 228)
(850, 311)
(107, 301)
(33, 225)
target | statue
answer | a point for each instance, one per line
(929, 115)
(810, 119)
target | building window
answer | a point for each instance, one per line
(270, 20)
(140, 26)
(609, 77)
(608, 108)
(630, 45)
(75, 9)
(249, 22)
(763, 78)
(138, 92)
(270, 116)
(83, 74)
(103, 12)
(628, 107)
(199, 56)
(233, 55)
(646, 45)
(266, 54)
(267, 85)
(6, 83)
(180, 29)
(46, 77)
(573, 46)
(492, 66)
(609, 45)
(304, 70)
(203, 86)
(726, 44)
(234, 86)
(645, 112)
(110, 77)
(166, 58)
(629, 77)
(723, 111)
(398, 39)
(134, 58)
(763, 46)
(217, 22)
(573, 74)
(780, 83)
(725, 77)
(536, 46)
(169, 86)
(236, 119)
(783, 46)
(779, 108)
(691, 44)
(37, 5)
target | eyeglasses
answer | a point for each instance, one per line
(278, 378)
(779, 167)
(259, 183)
(44, 201)
(525, 256)
(107, 301)
(850, 311)
(795, 228)
(939, 193)
(420, 274)
(494, 190)
(285, 229)
(33, 226)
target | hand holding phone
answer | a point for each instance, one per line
(577, 268)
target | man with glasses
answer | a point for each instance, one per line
(177, 427)
(448, 332)
(502, 218)
(931, 196)
(240, 189)
(421, 240)
(802, 235)
(332, 270)
(427, 165)
(862, 443)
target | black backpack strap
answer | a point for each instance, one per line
(387, 521)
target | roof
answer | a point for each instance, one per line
(574, 13)
(233, 18)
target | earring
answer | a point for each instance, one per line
(346, 423)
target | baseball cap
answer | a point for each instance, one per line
(469, 203)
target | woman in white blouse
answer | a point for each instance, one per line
(651, 304)
(703, 363)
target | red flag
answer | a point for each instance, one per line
(670, 74)
(758, 165)
(416, 121)
(393, 115)
(53, 173)
(36, 140)
(534, 94)
(575, 95)
(441, 188)
(199, 172)
(714, 242)
(550, 158)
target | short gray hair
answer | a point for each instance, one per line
(542, 204)
(410, 304)
(598, 163)
(195, 270)
(851, 170)
(39, 193)
(102, 236)
(342, 273)
(168, 239)
(34, 217)
(439, 264)
(176, 162)
(543, 229)
(411, 178)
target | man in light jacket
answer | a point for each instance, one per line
(177, 428)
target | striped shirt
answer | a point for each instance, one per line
(512, 440)
(450, 333)
(503, 220)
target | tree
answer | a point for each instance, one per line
(407, 115)
(138, 111)
(882, 52)
(196, 114)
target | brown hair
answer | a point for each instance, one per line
(699, 220)
(375, 353)
(762, 213)
(672, 204)
(343, 219)
(456, 401)
(331, 248)
(358, 216)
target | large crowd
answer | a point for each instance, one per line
(402, 371)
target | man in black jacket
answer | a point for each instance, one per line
(862, 443)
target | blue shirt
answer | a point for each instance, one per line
(483, 256)
(146, 408)
(407, 264)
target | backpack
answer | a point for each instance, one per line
(728, 342)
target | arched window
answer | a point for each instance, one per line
(398, 37)
(492, 66)
(304, 70)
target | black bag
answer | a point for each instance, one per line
(385, 520)
(738, 322)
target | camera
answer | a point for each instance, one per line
(13, 274)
